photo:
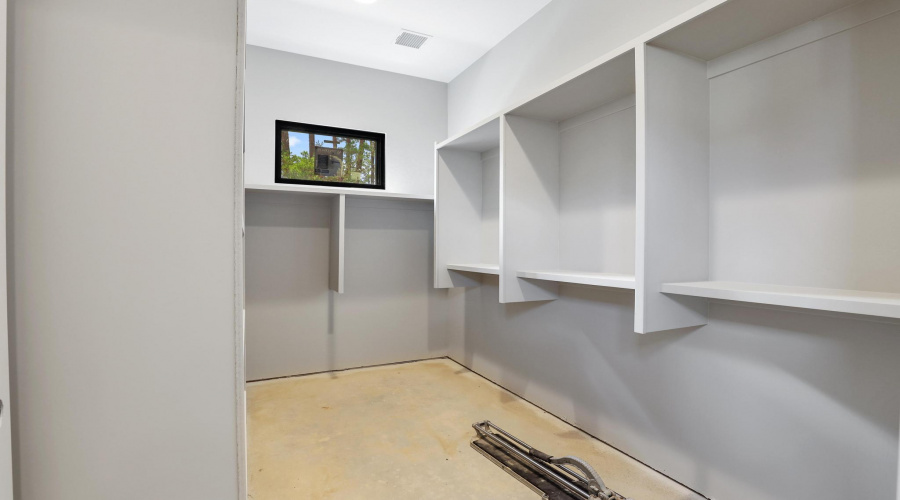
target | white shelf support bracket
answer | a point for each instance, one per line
(338, 231)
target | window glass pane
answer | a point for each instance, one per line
(328, 158)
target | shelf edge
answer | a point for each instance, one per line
(884, 305)
(591, 279)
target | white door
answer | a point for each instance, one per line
(6, 481)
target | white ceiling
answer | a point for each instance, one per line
(363, 34)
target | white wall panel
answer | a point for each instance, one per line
(121, 248)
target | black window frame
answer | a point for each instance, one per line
(307, 128)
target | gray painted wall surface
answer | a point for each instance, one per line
(760, 404)
(562, 37)
(389, 312)
(818, 204)
(411, 112)
(121, 227)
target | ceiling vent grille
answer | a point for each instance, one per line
(411, 39)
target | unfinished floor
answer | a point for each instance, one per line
(402, 432)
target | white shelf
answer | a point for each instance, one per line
(466, 210)
(480, 138)
(739, 23)
(886, 305)
(328, 190)
(590, 90)
(568, 184)
(476, 268)
(582, 278)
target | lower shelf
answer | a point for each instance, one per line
(581, 278)
(476, 268)
(886, 305)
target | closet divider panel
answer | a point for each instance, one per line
(529, 201)
(338, 230)
(673, 187)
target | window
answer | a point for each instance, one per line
(328, 156)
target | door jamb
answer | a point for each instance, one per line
(239, 382)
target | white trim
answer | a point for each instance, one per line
(7, 479)
(640, 196)
(240, 398)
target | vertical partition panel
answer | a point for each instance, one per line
(338, 226)
(529, 207)
(457, 215)
(673, 187)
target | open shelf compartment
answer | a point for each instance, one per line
(467, 218)
(568, 185)
(767, 159)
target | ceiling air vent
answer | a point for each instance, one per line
(411, 39)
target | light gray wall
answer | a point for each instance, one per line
(762, 403)
(411, 112)
(562, 37)
(121, 230)
(597, 175)
(389, 312)
(759, 404)
(818, 204)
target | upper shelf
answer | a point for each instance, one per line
(605, 83)
(475, 268)
(480, 138)
(738, 23)
(886, 305)
(582, 278)
(360, 192)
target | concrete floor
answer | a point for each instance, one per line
(402, 432)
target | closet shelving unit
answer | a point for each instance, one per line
(466, 211)
(771, 161)
(338, 198)
(568, 185)
(766, 169)
(544, 193)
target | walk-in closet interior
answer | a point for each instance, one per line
(662, 237)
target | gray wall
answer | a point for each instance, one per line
(389, 312)
(817, 205)
(563, 36)
(758, 404)
(411, 112)
(761, 403)
(121, 227)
